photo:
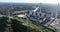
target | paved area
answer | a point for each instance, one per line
(56, 24)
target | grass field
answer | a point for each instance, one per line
(22, 25)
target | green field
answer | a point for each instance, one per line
(22, 25)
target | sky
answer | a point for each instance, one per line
(32, 1)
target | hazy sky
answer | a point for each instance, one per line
(32, 1)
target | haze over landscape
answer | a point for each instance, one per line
(29, 15)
